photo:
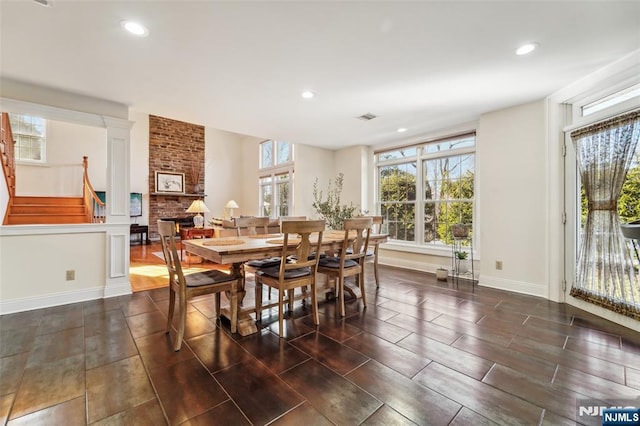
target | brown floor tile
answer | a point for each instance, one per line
(335, 397)
(105, 348)
(146, 414)
(594, 336)
(186, 390)
(542, 335)
(590, 385)
(337, 357)
(275, 353)
(104, 322)
(499, 337)
(49, 384)
(449, 356)
(424, 328)
(262, 396)
(378, 327)
(399, 359)
(20, 320)
(69, 413)
(467, 417)
(485, 400)
(130, 379)
(419, 312)
(578, 361)
(61, 319)
(603, 352)
(15, 340)
(11, 370)
(5, 407)
(217, 350)
(146, 323)
(633, 376)
(156, 350)
(227, 413)
(302, 414)
(387, 416)
(404, 395)
(136, 303)
(539, 369)
(100, 306)
(196, 324)
(335, 328)
(58, 345)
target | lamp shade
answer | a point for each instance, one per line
(198, 206)
(231, 204)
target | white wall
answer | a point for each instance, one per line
(139, 173)
(61, 174)
(512, 198)
(311, 163)
(353, 163)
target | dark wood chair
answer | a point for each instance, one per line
(372, 253)
(195, 284)
(301, 240)
(350, 259)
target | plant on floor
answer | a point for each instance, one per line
(331, 210)
(462, 255)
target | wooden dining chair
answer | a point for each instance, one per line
(372, 253)
(195, 284)
(349, 261)
(252, 225)
(301, 238)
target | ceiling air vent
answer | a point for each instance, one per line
(366, 117)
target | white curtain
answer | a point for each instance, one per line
(605, 273)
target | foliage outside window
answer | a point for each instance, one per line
(29, 134)
(331, 209)
(424, 190)
(276, 178)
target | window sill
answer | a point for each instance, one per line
(441, 251)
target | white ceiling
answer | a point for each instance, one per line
(241, 66)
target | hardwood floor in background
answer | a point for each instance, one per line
(423, 352)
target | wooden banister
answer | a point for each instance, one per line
(8, 160)
(91, 199)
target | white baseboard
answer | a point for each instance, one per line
(532, 289)
(117, 290)
(49, 300)
(413, 265)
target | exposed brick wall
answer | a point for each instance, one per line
(174, 146)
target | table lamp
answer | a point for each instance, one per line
(231, 204)
(198, 207)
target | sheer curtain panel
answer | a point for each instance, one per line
(605, 274)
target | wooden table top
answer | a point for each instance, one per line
(228, 250)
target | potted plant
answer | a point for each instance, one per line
(460, 230)
(442, 274)
(461, 261)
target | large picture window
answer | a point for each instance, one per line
(29, 134)
(423, 190)
(276, 178)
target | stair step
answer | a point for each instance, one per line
(30, 219)
(20, 199)
(42, 209)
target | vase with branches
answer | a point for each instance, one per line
(194, 173)
(331, 209)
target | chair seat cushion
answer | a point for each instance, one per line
(264, 263)
(312, 256)
(274, 272)
(334, 262)
(198, 279)
(369, 252)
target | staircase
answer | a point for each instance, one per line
(38, 210)
(46, 210)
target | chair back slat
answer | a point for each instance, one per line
(299, 233)
(253, 225)
(167, 229)
(355, 246)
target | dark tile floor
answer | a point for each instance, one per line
(423, 352)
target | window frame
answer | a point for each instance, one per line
(421, 155)
(16, 148)
(272, 172)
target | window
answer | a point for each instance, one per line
(611, 100)
(424, 190)
(276, 178)
(29, 134)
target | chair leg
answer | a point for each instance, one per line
(340, 291)
(218, 313)
(172, 306)
(183, 320)
(258, 290)
(314, 304)
(290, 299)
(280, 311)
(361, 284)
(375, 268)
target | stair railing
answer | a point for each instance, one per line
(8, 159)
(95, 208)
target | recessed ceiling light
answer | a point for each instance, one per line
(526, 48)
(308, 94)
(45, 3)
(402, 129)
(135, 28)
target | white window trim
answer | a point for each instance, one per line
(43, 149)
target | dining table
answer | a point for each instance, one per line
(234, 251)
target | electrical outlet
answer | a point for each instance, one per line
(71, 275)
(499, 265)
